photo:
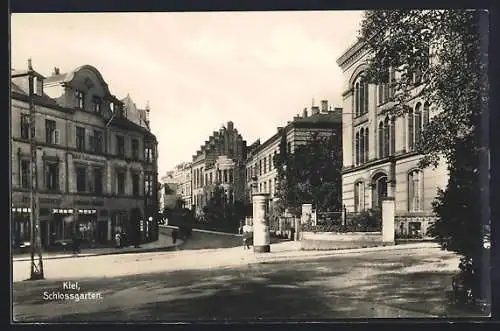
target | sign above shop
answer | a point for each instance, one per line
(87, 211)
(48, 201)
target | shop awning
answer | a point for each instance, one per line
(62, 211)
(21, 210)
(87, 211)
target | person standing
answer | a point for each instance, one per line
(247, 236)
(118, 239)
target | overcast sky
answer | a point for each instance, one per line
(198, 70)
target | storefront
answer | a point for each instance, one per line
(62, 225)
(21, 230)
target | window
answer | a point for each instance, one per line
(225, 176)
(357, 148)
(265, 165)
(387, 137)
(270, 187)
(135, 149)
(50, 129)
(270, 162)
(96, 104)
(25, 126)
(265, 186)
(148, 185)
(359, 193)
(360, 97)
(120, 146)
(210, 178)
(38, 84)
(98, 180)
(80, 99)
(52, 176)
(98, 141)
(289, 147)
(387, 88)
(418, 118)
(275, 158)
(381, 140)
(135, 185)
(25, 174)
(120, 182)
(415, 191)
(201, 177)
(231, 179)
(260, 167)
(81, 179)
(80, 138)
(148, 154)
(219, 176)
(361, 146)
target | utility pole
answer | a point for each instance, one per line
(36, 264)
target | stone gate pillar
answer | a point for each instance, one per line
(388, 211)
(261, 240)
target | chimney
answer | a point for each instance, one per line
(304, 113)
(324, 106)
(56, 71)
(314, 110)
(280, 128)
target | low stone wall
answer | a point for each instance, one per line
(333, 241)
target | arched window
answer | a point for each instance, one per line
(365, 97)
(356, 99)
(415, 191)
(366, 145)
(410, 130)
(418, 122)
(386, 137)
(357, 148)
(359, 194)
(425, 114)
(381, 140)
(361, 98)
(362, 146)
(393, 137)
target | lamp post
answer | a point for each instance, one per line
(36, 270)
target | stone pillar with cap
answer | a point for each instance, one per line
(388, 208)
(261, 239)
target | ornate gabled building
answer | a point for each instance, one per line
(378, 147)
(260, 167)
(220, 161)
(96, 169)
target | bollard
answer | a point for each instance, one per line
(388, 208)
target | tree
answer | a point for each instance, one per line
(312, 174)
(440, 55)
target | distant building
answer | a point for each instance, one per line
(260, 167)
(96, 169)
(376, 144)
(219, 162)
(177, 185)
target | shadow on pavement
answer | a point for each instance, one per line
(341, 287)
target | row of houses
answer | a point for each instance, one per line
(225, 160)
(96, 159)
(378, 151)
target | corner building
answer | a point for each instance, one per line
(373, 141)
(219, 162)
(95, 168)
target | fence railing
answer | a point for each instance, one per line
(369, 221)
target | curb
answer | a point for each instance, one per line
(147, 250)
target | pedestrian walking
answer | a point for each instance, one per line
(174, 236)
(118, 240)
(75, 243)
(247, 236)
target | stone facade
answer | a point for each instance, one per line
(96, 170)
(219, 162)
(376, 145)
(178, 183)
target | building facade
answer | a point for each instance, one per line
(260, 167)
(219, 162)
(95, 168)
(177, 185)
(378, 147)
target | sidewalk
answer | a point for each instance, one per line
(162, 244)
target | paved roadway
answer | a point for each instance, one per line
(229, 283)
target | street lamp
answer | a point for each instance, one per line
(36, 270)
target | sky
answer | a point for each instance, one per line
(198, 70)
